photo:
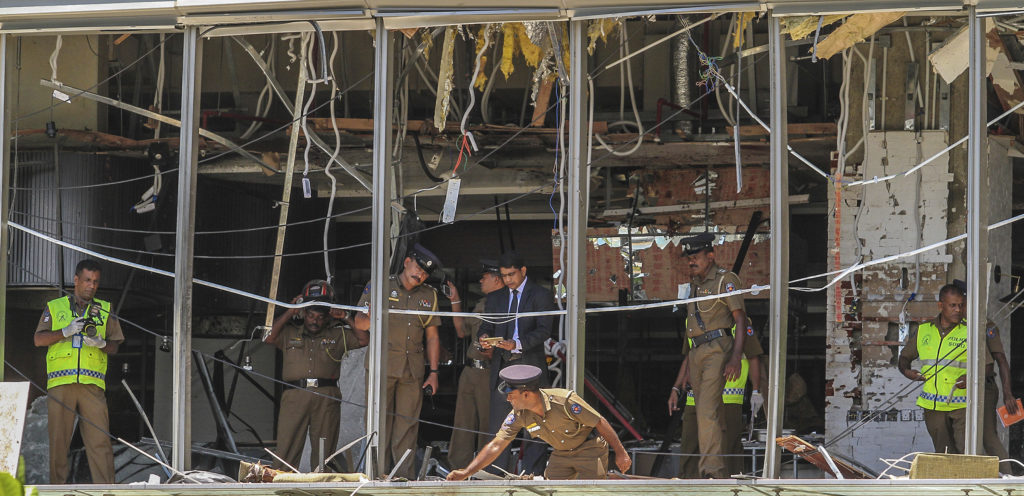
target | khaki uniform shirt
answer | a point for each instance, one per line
(406, 332)
(565, 425)
(716, 314)
(114, 333)
(751, 346)
(313, 356)
(472, 325)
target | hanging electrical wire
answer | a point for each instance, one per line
(628, 70)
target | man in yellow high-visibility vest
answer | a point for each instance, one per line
(79, 332)
(941, 345)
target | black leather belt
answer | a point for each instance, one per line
(478, 364)
(708, 337)
(312, 383)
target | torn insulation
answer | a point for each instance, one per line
(444, 79)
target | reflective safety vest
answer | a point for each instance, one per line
(68, 364)
(733, 392)
(944, 360)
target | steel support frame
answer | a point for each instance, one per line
(578, 185)
(188, 158)
(779, 246)
(6, 115)
(383, 103)
(977, 229)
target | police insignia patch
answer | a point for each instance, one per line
(730, 287)
(366, 289)
(575, 408)
(991, 333)
(510, 419)
(750, 331)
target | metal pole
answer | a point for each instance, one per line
(383, 102)
(5, 194)
(579, 181)
(779, 278)
(289, 172)
(977, 232)
(188, 157)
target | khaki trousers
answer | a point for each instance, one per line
(990, 436)
(947, 429)
(589, 461)
(689, 444)
(89, 402)
(707, 363)
(404, 397)
(302, 412)
(472, 410)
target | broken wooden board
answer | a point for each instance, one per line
(353, 125)
(808, 452)
(1005, 79)
(856, 29)
(950, 60)
(811, 128)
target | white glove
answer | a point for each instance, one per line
(756, 402)
(95, 341)
(73, 328)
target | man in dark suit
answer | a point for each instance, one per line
(522, 343)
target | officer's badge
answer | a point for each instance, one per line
(424, 302)
(730, 287)
(576, 408)
(750, 331)
(394, 293)
(511, 419)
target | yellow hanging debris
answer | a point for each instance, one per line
(482, 41)
(802, 26)
(508, 47)
(856, 29)
(599, 30)
(531, 53)
(428, 43)
(742, 20)
(444, 78)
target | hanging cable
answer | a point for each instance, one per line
(53, 58)
(632, 101)
(327, 166)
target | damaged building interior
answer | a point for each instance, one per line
(850, 161)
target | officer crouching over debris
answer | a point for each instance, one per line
(579, 435)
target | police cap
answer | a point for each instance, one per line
(489, 265)
(424, 258)
(519, 377)
(699, 243)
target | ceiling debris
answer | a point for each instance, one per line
(857, 28)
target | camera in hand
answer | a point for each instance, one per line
(93, 319)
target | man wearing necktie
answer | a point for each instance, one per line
(522, 342)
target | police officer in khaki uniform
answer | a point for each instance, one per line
(715, 356)
(311, 356)
(941, 345)
(579, 435)
(732, 398)
(406, 360)
(79, 332)
(473, 404)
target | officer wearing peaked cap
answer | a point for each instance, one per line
(473, 403)
(578, 434)
(413, 345)
(716, 354)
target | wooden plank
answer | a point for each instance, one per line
(826, 128)
(1005, 80)
(699, 205)
(540, 110)
(352, 125)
